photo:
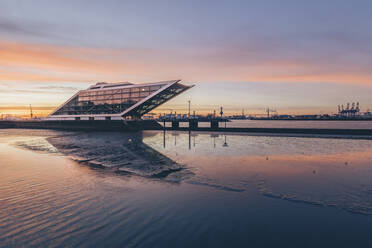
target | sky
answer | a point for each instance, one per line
(298, 57)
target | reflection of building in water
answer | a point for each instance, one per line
(213, 135)
(164, 138)
(193, 135)
(106, 101)
(225, 143)
(123, 152)
(189, 140)
(192, 138)
(175, 134)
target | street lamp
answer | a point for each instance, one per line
(189, 107)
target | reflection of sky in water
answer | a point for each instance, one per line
(301, 124)
(183, 190)
(327, 172)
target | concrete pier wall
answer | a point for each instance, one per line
(86, 125)
(137, 125)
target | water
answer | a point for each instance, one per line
(286, 124)
(178, 189)
(300, 124)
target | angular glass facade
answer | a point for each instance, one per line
(155, 101)
(121, 99)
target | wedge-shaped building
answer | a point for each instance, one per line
(105, 101)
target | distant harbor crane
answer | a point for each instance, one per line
(31, 115)
(349, 111)
(189, 107)
(268, 110)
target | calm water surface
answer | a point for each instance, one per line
(288, 124)
(178, 189)
(301, 124)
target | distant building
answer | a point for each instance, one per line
(307, 117)
(284, 116)
(106, 101)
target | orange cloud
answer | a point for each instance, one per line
(27, 76)
(36, 62)
(62, 58)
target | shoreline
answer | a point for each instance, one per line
(132, 126)
(310, 131)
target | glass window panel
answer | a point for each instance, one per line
(135, 94)
(134, 89)
(155, 87)
(144, 94)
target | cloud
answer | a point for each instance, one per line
(57, 63)
(7, 26)
(31, 30)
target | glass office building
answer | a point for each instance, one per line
(117, 100)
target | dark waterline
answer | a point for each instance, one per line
(153, 189)
(310, 124)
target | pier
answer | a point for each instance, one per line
(193, 123)
(85, 125)
(280, 131)
(142, 125)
